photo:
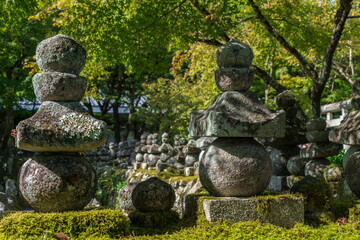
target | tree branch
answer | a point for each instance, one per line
(344, 74)
(207, 16)
(309, 69)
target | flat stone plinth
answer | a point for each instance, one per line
(283, 210)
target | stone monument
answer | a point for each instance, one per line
(348, 133)
(58, 177)
(235, 166)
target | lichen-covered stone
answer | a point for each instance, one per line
(316, 124)
(333, 173)
(234, 54)
(352, 173)
(235, 114)
(285, 100)
(348, 154)
(279, 158)
(234, 79)
(317, 136)
(55, 86)
(234, 167)
(60, 127)
(60, 54)
(296, 165)
(319, 150)
(282, 211)
(153, 195)
(204, 142)
(57, 182)
(316, 167)
(124, 196)
(348, 131)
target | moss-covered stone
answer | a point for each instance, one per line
(107, 223)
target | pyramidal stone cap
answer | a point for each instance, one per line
(234, 54)
(60, 54)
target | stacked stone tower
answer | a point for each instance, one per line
(235, 165)
(58, 178)
(348, 133)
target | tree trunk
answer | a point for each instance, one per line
(116, 121)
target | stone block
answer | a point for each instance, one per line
(319, 150)
(291, 180)
(189, 171)
(348, 131)
(284, 211)
(234, 79)
(316, 167)
(278, 183)
(235, 114)
(144, 166)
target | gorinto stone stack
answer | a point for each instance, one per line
(348, 133)
(235, 165)
(58, 178)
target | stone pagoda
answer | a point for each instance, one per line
(348, 133)
(235, 164)
(58, 177)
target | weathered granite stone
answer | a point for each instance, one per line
(190, 159)
(235, 167)
(285, 100)
(296, 165)
(333, 173)
(282, 211)
(316, 167)
(348, 154)
(291, 180)
(235, 114)
(316, 124)
(352, 173)
(191, 148)
(4, 203)
(11, 190)
(125, 202)
(60, 54)
(278, 184)
(60, 127)
(144, 165)
(348, 131)
(56, 86)
(57, 182)
(319, 150)
(153, 195)
(344, 192)
(234, 54)
(204, 142)
(317, 136)
(189, 171)
(234, 79)
(279, 158)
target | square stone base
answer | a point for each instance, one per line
(283, 210)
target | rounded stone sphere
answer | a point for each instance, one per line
(56, 86)
(234, 79)
(285, 100)
(153, 195)
(57, 182)
(60, 54)
(234, 54)
(296, 165)
(235, 167)
(352, 173)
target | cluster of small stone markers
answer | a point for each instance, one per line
(58, 177)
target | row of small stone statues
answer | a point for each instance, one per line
(150, 151)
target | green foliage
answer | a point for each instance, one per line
(338, 158)
(317, 196)
(109, 181)
(76, 224)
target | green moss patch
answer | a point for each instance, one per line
(154, 219)
(76, 224)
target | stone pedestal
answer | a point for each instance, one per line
(283, 211)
